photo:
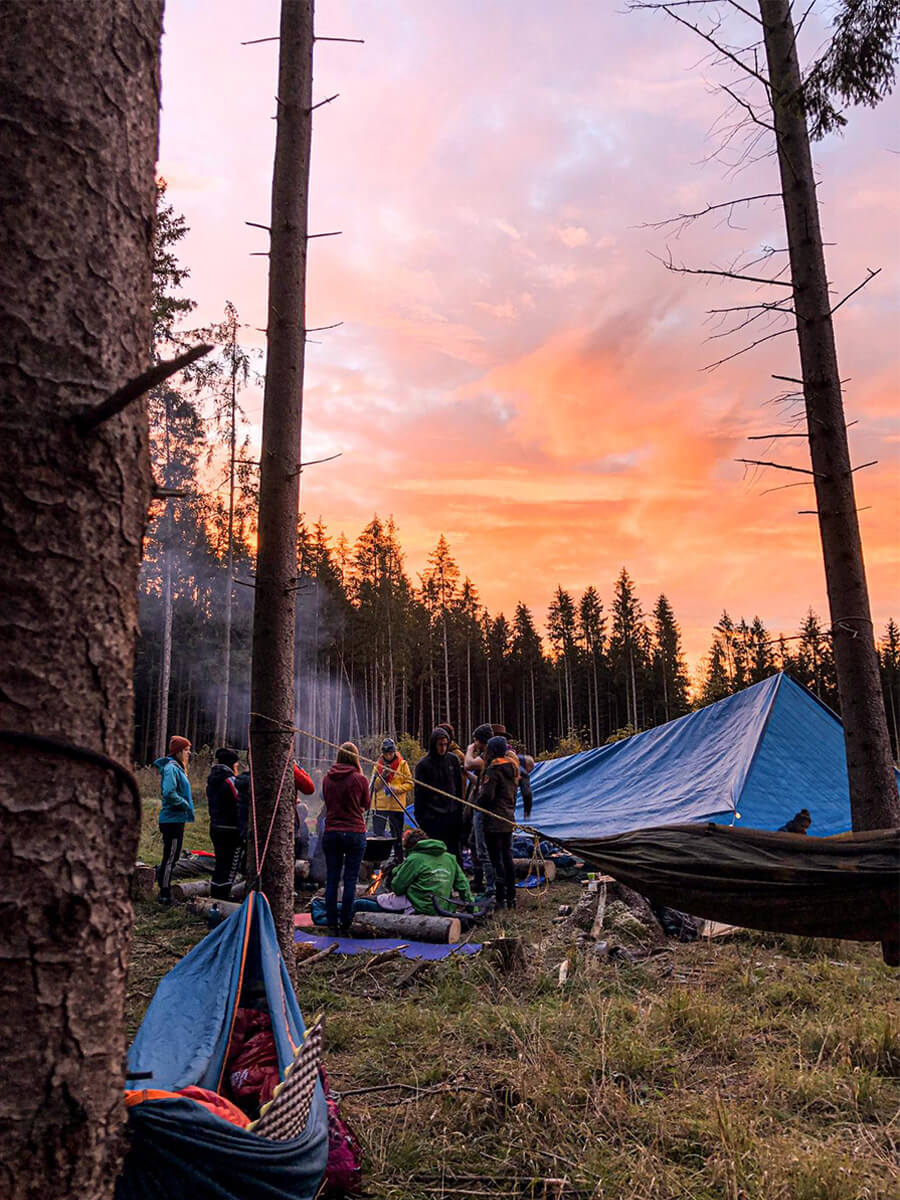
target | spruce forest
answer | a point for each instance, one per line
(377, 651)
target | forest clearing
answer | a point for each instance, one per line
(757, 1066)
(461, 862)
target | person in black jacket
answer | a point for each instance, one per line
(440, 815)
(224, 827)
(498, 795)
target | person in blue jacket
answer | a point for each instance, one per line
(177, 810)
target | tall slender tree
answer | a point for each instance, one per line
(873, 788)
(272, 682)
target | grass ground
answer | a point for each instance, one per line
(756, 1068)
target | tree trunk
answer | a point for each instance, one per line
(79, 138)
(165, 667)
(222, 715)
(446, 670)
(272, 685)
(874, 803)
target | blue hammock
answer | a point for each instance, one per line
(177, 1148)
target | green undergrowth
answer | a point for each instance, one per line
(754, 1068)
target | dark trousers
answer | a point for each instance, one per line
(394, 822)
(343, 856)
(172, 836)
(228, 847)
(500, 850)
(446, 828)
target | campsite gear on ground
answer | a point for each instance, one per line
(429, 870)
(343, 1172)
(344, 852)
(841, 887)
(378, 849)
(469, 912)
(405, 946)
(865, 886)
(747, 760)
(177, 1147)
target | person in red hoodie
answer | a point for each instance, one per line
(346, 796)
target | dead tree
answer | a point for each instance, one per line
(874, 800)
(80, 100)
(272, 679)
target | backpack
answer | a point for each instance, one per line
(343, 1172)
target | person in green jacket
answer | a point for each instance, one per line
(428, 870)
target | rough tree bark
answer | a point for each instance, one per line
(874, 801)
(272, 682)
(79, 92)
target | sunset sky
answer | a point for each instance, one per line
(515, 368)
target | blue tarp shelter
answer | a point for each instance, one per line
(177, 1148)
(752, 760)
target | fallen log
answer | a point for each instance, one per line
(543, 868)
(190, 888)
(411, 927)
(202, 904)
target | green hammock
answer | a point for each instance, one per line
(840, 887)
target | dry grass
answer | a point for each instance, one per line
(760, 1068)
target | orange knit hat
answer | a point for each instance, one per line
(178, 743)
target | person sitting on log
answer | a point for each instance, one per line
(224, 828)
(390, 786)
(428, 870)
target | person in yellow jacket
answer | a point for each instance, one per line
(390, 787)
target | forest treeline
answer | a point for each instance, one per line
(378, 651)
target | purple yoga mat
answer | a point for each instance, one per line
(427, 950)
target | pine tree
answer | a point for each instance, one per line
(591, 625)
(669, 670)
(627, 641)
(561, 629)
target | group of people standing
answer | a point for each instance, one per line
(459, 798)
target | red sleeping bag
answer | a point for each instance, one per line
(252, 1066)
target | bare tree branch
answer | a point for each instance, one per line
(755, 462)
(683, 270)
(746, 349)
(695, 216)
(858, 288)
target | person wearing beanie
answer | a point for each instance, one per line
(439, 792)
(346, 796)
(454, 747)
(498, 797)
(224, 826)
(177, 810)
(390, 785)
